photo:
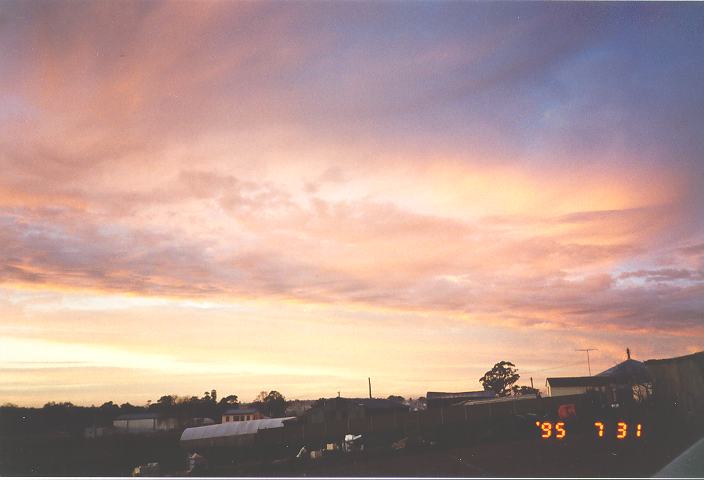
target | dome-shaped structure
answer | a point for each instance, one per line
(628, 371)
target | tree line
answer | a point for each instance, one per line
(70, 418)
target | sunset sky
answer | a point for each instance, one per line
(300, 195)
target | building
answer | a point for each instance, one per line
(145, 422)
(679, 382)
(241, 415)
(445, 399)
(340, 408)
(562, 386)
(622, 383)
(237, 433)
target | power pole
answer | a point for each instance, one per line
(588, 350)
(370, 386)
(531, 382)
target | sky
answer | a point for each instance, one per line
(296, 196)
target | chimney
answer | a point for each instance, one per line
(628, 353)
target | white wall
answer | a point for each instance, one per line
(140, 425)
(562, 391)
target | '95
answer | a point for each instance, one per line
(620, 430)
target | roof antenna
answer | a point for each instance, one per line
(628, 353)
(588, 350)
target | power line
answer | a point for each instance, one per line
(552, 368)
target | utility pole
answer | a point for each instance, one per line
(531, 383)
(370, 386)
(588, 350)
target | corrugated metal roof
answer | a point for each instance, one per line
(231, 429)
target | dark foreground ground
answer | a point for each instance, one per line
(578, 456)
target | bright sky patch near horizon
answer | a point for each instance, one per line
(296, 196)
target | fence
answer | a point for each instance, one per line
(399, 424)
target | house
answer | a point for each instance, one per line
(445, 399)
(340, 408)
(561, 386)
(145, 422)
(622, 383)
(241, 415)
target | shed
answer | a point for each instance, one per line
(145, 422)
(229, 434)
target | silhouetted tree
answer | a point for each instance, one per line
(271, 404)
(500, 378)
(524, 390)
(396, 398)
(230, 400)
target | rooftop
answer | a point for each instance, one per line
(240, 411)
(631, 370)
(691, 356)
(483, 401)
(475, 394)
(579, 381)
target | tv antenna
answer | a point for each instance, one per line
(589, 366)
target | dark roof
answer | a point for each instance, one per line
(484, 401)
(141, 416)
(460, 395)
(627, 371)
(240, 411)
(579, 381)
(367, 403)
(691, 356)
(377, 403)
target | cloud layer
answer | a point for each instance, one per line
(519, 167)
